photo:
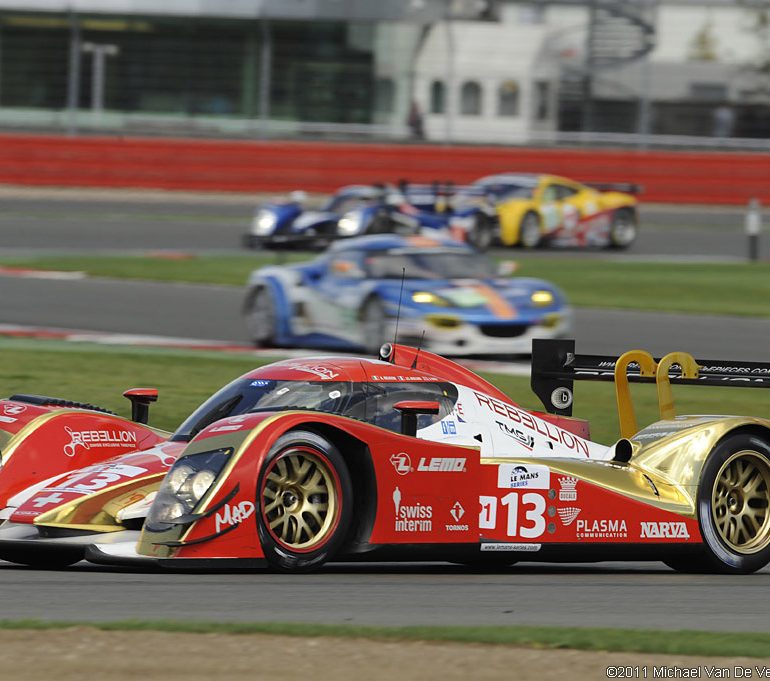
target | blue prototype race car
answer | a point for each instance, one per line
(349, 296)
(351, 211)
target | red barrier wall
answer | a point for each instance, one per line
(667, 176)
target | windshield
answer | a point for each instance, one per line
(504, 190)
(243, 396)
(450, 264)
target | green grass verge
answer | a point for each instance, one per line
(99, 374)
(614, 640)
(714, 288)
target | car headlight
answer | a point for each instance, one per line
(349, 224)
(264, 222)
(428, 298)
(542, 298)
(188, 481)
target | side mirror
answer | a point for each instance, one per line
(141, 399)
(410, 409)
(506, 268)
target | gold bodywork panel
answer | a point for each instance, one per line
(675, 450)
(627, 480)
(96, 511)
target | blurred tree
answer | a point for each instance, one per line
(703, 46)
(758, 24)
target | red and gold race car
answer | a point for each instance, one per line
(405, 457)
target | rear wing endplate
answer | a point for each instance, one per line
(555, 368)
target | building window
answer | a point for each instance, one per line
(508, 98)
(384, 92)
(437, 97)
(470, 98)
(542, 100)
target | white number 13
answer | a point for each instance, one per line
(535, 514)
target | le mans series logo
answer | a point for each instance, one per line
(529, 476)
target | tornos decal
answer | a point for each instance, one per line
(97, 438)
(457, 512)
(515, 475)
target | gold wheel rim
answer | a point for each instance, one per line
(300, 500)
(740, 502)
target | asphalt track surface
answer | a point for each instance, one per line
(46, 221)
(65, 221)
(635, 595)
(608, 595)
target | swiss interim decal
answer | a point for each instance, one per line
(411, 517)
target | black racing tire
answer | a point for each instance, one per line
(623, 229)
(481, 233)
(529, 231)
(374, 324)
(303, 471)
(261, 317)
(733, 508)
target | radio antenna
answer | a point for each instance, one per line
(419, 347)
(398, 311)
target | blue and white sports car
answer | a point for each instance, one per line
(349, 298)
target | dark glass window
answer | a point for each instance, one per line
(437, 97)
(470, 98)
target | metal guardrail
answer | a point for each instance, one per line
(38, 120)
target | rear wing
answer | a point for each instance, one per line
(556, 366)
(625, 187)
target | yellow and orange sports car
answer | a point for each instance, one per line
(536, 210)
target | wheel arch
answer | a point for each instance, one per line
(530, 210)
(282, 303)
(371, 295)
(358, 460)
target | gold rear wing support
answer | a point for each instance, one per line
(556, 366)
